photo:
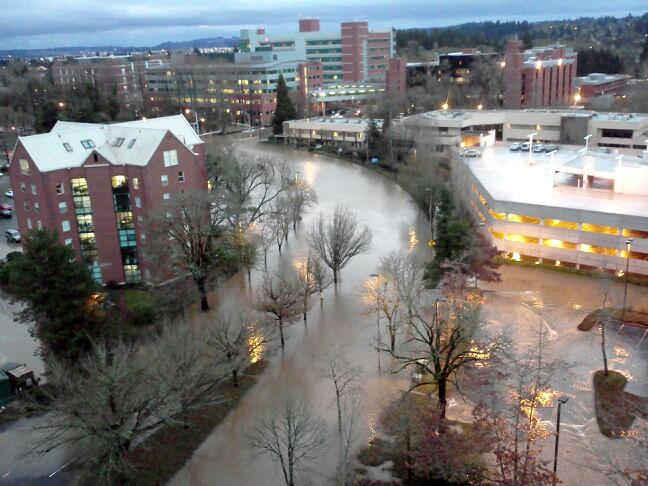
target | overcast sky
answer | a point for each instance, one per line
(54, 23)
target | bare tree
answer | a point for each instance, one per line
(280, 295)
(380, 294)
(344, 379)
(246, 243)
(443, 341)
(280, 220)
(515, 426)
(111, 399)
(235, 337)
(246, 185)
(339, 239)
(320, 273)
(312, 278)
(300, 197)
(266, 231)
(291, 433)
(406, 277)
(183, 239)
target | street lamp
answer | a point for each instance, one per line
(429, 191)
(586, 138)
(480, 106)
(196, 125)
(377, 277)
(625, 277)
(531, 135)
(561, 401)
(445, 105)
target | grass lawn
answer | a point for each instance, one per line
(136, 298)
(629, 316)
(164, 453)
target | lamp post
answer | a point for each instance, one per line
(586, 138)
(377, 277)
(531, 135)
(196, 125)
(625, 277)
(561, 401)
(429, 191)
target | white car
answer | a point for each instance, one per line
(9, 193)
(471, 153)
(516, 146)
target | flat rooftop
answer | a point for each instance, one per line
(508, 176)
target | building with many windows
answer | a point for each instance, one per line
(122, 74)
(96, 184)
(538, 77)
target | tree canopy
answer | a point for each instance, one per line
(285, 109)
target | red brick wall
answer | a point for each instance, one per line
(353, 35)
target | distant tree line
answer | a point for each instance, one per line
(599, 61)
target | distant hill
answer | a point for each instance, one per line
(626, 37)
(118, 50)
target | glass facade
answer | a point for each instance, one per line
(125, 229)
(85, 226)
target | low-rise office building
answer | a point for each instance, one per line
(442, 130)
(598, 84)
(350, 132)
(96, 184)
(574, 207)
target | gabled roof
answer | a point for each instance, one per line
(63, 147)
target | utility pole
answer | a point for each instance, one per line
(561, 401)
(625, 286)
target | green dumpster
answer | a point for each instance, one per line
(5, 388)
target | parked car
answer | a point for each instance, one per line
(12, 236)
(6, 211)
(9, 193)
(538, 147)
(471, 153)
(516, 146)
(525, 147)
(550, 147)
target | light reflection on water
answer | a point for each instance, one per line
(413, 240)
(255, 346)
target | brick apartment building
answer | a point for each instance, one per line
(95, 185)
(242, 93)
(599, 84)
(124, 74)
(309, 61)
(538, 77)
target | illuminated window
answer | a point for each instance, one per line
(135, 183)
(559, 244)
(24, 166)
(496, 215)
(164, 180)
(597, 249)
(561, 224)
(520, 218)
(522, 238)
(65, 226)
(595, 228)
(62, 207)
(118, 181)
(635, 233)
(170, 158)
(497, 234)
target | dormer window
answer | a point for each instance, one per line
(67, 147)
(131, 143)
(88, 144)
(118, 142)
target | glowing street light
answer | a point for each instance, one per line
(577, 98)
(586, 138)
(625, 284)
(445, 105)
(61, 104)
(503, 64)
(480, 106)
(377, 277)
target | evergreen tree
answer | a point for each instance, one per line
(453, 238)
(285, 109)
(527, 41)
(374, 138)
(56, 292)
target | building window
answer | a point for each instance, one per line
(118, 142)
(140, 220)
(22, 187)
(60, 188)
(131, 143)
(65, 225)
(33, 189)
(39, 224)
(84, 223)
(68, 242)
(181, 176)
(142, 236)
(166, 196)
(62, 207)
(24, 166)
(164, 180)
(135, 183)
(79, 187)
(67, 146)
(88, 144)
(26, 206)
(170, 158)
(138, 202)
(29, 223)
(36, 207)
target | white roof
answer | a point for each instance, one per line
(49, 152)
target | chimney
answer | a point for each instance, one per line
(309, 25)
